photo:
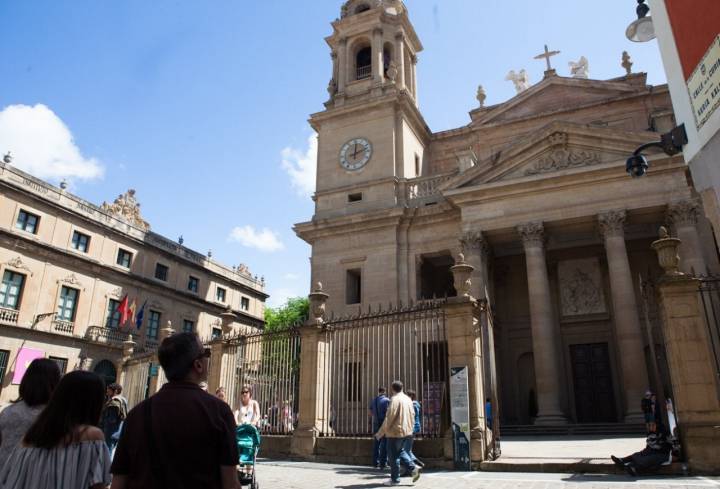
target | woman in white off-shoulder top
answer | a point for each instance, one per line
(63, 448)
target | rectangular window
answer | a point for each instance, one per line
(193, 284)
(216, 333)
(153, 325)
(67, 304)
(220, 294)
(161, 272)
(417, 166)
(188, 326)
(353, 287)
(113, 315)
(124, 258)
(4, 357)
(27, 222)
(352, 382)
(62, 363)
(80, 241)
(245, 304)
(11, 290)
(355, 198)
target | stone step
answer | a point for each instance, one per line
(574, 429)
(585, 466)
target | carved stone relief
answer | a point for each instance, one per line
(18, 264)
(127, 208)
(581, 288)
(72, 280)
(563, 159)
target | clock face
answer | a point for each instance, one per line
(355, 154)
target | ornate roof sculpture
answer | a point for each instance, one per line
(127, 208)
(351, 7)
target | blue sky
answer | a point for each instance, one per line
(202, 106)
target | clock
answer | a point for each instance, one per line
(355, 154)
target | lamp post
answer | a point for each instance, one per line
(641, 30)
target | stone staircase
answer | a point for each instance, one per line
(589, 429)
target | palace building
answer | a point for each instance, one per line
(71, 270)
(533, 191)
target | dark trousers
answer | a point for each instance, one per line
(399, 450)
(379, 452)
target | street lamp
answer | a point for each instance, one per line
(641, 30)
(671, 143)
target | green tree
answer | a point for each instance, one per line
(294, 311)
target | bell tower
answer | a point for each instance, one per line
(371, 134)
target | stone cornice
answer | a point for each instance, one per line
(95, 268)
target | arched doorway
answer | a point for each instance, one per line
(106, 370)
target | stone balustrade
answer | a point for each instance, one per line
(67, 327)
(106, 335)
(423, 187)
(8, 316)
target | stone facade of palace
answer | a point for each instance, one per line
(533, 190)
(66, 265)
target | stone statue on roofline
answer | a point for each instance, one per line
(127, 208)
(481, 95)
(521, 80)
(581, 69)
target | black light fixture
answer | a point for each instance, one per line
(7, 159)
(671, 143)
(641, 30)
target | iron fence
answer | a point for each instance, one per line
(369, 350)
(710, 296)
(269, 363)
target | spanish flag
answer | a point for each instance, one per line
(124, 310)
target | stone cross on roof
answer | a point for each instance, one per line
(546, 56)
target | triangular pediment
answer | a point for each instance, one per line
(553, 94)
(556, 148)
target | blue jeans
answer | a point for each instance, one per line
(379, 452)
(399, 453)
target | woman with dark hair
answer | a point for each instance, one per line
(64, 448)
(36, 387)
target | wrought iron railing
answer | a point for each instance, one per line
(423, 187)
(372, 349)
(9, 315)
(710, 296)
(364, 72)
(106, 335)
(63, 326)
(268, 363)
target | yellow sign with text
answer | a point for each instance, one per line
(704, 85)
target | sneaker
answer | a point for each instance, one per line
(617, 461)
(419, 463)
(415, 474)
(391, 482)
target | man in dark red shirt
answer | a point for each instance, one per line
(182, 437)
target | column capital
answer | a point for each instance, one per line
(612, 223)
(532, 234)
(684, 212)
(377, 31)
(474, 243)
(343, 41)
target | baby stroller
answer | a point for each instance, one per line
(248, 443)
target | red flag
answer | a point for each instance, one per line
(124, 310)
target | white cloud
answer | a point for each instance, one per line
(291, 276)
(301, 166)
(278, 297)
(264, 240)
(42, 145)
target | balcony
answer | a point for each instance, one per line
(426, 187)
(62, 326)
(100, 334)
(364, 72)
(8, 316)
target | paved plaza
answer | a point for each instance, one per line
(304, 475)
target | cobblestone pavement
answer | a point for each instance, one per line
(303, 475)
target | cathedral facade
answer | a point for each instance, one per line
(533, 191)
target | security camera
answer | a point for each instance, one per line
(637, 165)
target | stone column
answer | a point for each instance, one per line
(413, 74)
(475, 249)
(546, 354)
(400, 61)
(128, 350)
(314, 378)
(343, 66)
(693, 375)
(627, 323)
(377, 56)
(684, 217)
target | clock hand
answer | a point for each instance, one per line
(355, 153)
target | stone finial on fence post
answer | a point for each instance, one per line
(128, 348)
(318, 299)
(166, 331)
(461, 276)
(227, 319)
(668, 255)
